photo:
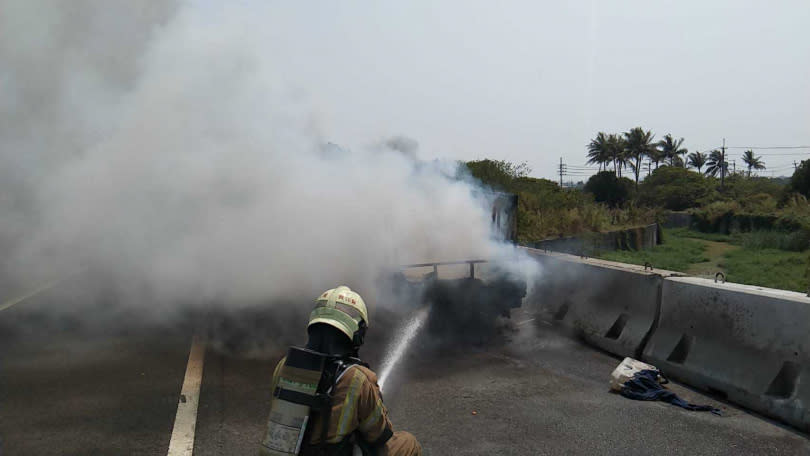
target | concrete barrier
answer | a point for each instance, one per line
(612, 305)
(677, 219)
(748, 344)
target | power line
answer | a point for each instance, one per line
(777, 154)
(775, 157)
(723, 164)
(768, 147)
(781, 168)
(709, 150)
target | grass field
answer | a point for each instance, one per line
(676, 254)
(742, 261)
(768, 268)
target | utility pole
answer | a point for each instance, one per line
(734, 166)
(562, 172)
(795, 166)
(649, 162)
(723, 164)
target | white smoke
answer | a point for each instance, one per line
(166, 150)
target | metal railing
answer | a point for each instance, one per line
(436, 265)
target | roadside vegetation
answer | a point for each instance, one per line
(754, 229)
(545, 210)
(743, 257)
(676, 254)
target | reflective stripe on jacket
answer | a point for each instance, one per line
(356, 406)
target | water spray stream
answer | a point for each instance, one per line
(401, 343)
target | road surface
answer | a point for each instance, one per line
(101, 381)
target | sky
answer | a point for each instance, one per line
(177, 146)
(535, 81)
(176, 152)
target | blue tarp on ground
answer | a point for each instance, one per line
(644, 386)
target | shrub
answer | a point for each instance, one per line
(609, 189)
(546, 210)
(739, 187)
(800, 181)
(534, 185)
(759, 202)
(498, 174)
(674, 188)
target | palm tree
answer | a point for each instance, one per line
(697, 160)
(599, 151)
(752, 162)
(617, 153)
(656, 156)
(638, 144)
(715, 163)
(670, 148)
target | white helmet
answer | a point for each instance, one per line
(344, 309)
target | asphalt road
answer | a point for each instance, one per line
(70, 386)
(110, 386)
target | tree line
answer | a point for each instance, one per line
(626, 151)
(609, 202)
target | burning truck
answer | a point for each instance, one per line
(466, 308)
(471, 296)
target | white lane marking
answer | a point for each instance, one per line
(19, 299)
(45, 287)
(185, 422)
(525, 321)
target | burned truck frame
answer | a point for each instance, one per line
(468, 308)
(465, 309)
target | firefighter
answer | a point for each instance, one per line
(325, 400)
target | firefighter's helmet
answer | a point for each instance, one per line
(345, 310)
